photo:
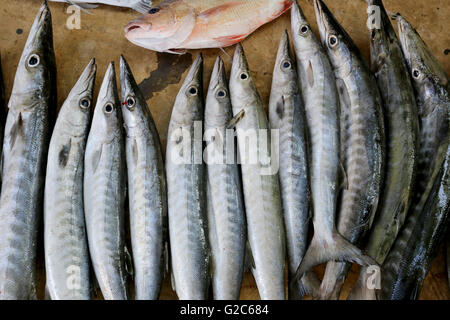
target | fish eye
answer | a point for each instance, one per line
(416, 74)
(85, 103)
(244, 76)
(108, 108)
(221, 93)
(33, 60)
(193, 91)
(154, 10)
(304, 29)
(333, 41)
(286, 65)
(130, 103)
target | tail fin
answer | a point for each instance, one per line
(333, 280)
(335, 249)
(309, 283)
(142, 6)
(361, 291)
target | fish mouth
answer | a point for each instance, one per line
(240, 63)
(218, 74)
(137, 26)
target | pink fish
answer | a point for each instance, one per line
(175, 25)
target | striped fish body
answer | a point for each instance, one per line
(147, 190)
(67, 262)
(27, 134)
(186, 178)
(105, 191)
(265, 226)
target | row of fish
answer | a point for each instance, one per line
(363, 152)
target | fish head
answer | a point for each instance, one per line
(304, 37)
(79, 104)
(107, 120)
(188, 105)
(218, 105)
(134, 105)
(241, 81)
(285, 78)
(341, 48)
(163, 28)
(35, 75)
(426, 71)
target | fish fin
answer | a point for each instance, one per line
(344, 184)
(218, 10)
(310, 285)
(142, 6)
(172, 281)
(310, 75)
(63, 155)
(128, 262)
(227, 41)
(83, 6)
(96, 158)
(229, 58)
(16, 130)
(249, 263)
(238, 117)
(360, 291)
(135, 152)
(176, 51)
(336, 249)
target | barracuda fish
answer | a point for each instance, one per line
(175, 25)
(67, 262)
(287, 114)
(142, 6)
(402, 136)
(27, 133)
(417, 245)
(265, 228)
(147, 189)
(321, 104)
(2, 114)
(225, 205)
(186, 179)
(362, 151)
(105, 191)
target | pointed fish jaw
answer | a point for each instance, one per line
(39, 47)
(284, 73)
(218, 105)
(79, 104)
(105, 123)
(240, 63)
(133, 101)
(195, 74)
(306, 42)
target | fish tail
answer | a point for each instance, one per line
(142, 6)
(336, 249)
(310, 284)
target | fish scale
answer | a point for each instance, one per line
(186, 193)
(411, 255)
(265, 228)
(226, 217)
(361, 141)
(105, 191)
(27, 134)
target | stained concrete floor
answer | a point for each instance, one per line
(161, 75)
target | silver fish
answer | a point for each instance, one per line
(287, 114)
(362, 153)
(265, 227)
(2, 113)
(67, 262)
(322, 105)
(225, 205)
(402, 135)
(410, 258)
(27, 133)
(105, 191)
(186, 179)
(142, 6)
(147, 189)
